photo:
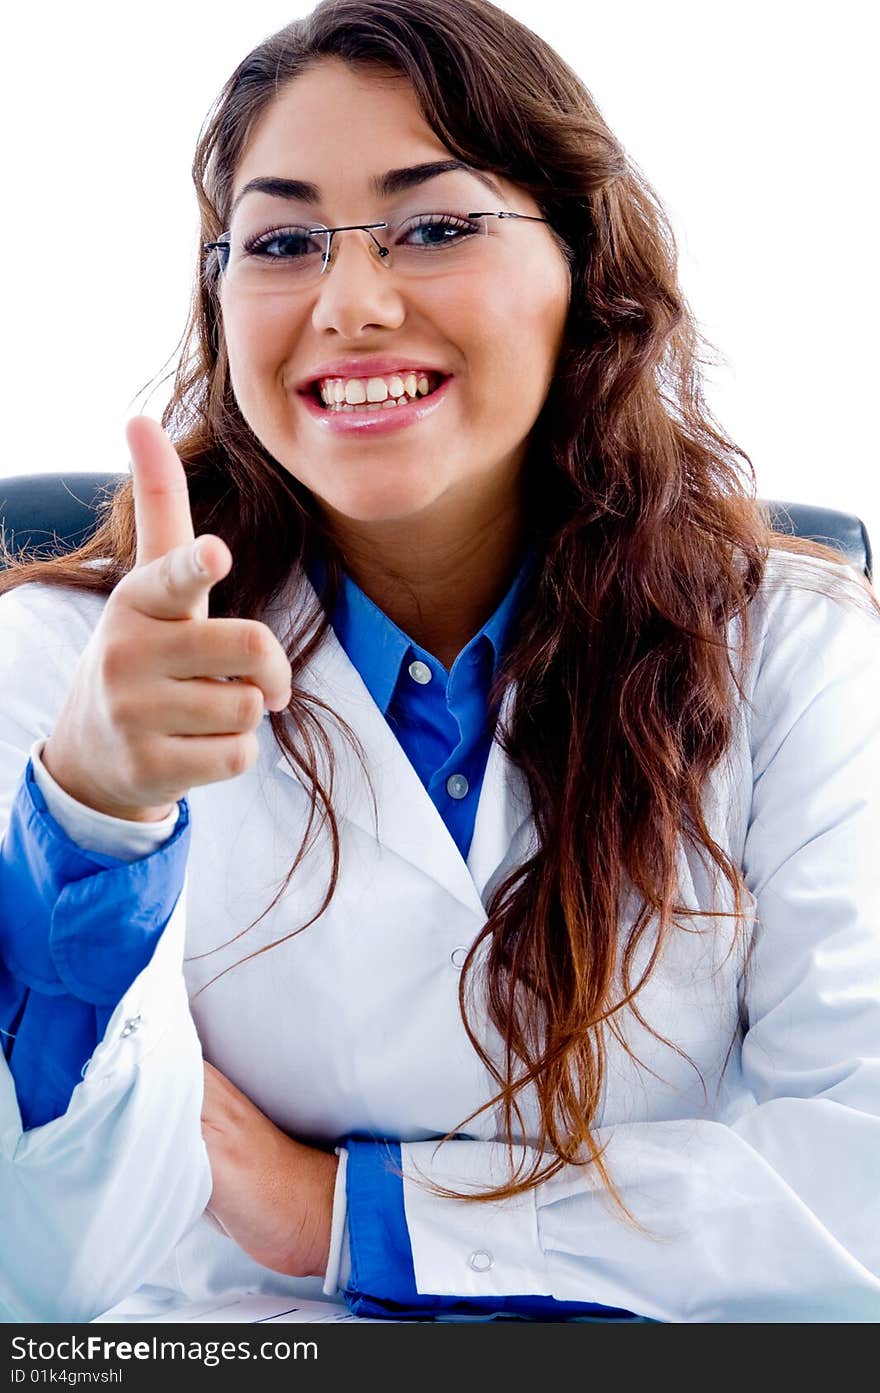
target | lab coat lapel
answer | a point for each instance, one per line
(503, 812)
(404, 817)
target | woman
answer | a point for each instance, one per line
(501, 934)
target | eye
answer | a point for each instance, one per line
(438, 230)
(282, 244)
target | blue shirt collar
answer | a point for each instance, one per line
(377, 647)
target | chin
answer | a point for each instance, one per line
(396, 506)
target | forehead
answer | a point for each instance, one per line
(336, 127)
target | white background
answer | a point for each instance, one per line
(754, 122)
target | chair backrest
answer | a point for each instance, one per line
(56, 512)
(844, 531)
(52, 512)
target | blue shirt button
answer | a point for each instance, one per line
(420, 672)
(457, 786)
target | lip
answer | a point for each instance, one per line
(367, 367)
(381, 422)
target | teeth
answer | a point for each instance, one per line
(365, 406)
(358, 391)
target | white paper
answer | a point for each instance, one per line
(244, 1308)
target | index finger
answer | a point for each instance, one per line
(161, 498)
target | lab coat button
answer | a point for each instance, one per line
(420, 672)
(457, 786)
(457, 957)
(480, 1261)
(131, 1025)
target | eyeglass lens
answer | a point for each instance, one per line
(293, 254)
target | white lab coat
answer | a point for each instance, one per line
(761, 1192)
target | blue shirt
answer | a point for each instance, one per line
(64, 964)
(439, 717)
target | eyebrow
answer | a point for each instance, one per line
(381, 185)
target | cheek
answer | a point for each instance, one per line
(541, 297)
(258, 344)
(518, 331)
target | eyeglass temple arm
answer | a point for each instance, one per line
(528, 217)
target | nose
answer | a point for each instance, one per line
(356, 290)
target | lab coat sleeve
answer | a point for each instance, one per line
(76, 928)
(380, 1281)
(92, 1202)
(776, 1215)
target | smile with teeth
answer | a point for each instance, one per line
(374, 393)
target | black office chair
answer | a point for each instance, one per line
(52, 512)
(55, 512)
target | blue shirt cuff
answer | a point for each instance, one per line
(78, 922)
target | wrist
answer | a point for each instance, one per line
(323, 1190)
(81, 790)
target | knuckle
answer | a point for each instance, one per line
(119, 700)
(119, 708)
(257, 638)
(241, 755)
(115, 659)
(249, 706)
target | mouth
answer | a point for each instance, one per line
(398, 390)
(391, 414)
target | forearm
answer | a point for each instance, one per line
(82, 905)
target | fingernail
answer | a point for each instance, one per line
(198, 562)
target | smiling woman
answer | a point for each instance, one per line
(503, 939)
(453, 459)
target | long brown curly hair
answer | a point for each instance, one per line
(650, 542)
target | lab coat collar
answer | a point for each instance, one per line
(378, 647)
(404, 818)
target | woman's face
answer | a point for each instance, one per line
(495, 325)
